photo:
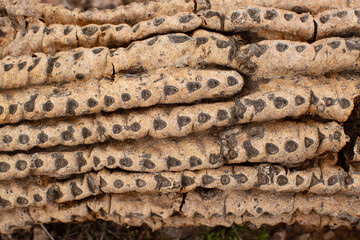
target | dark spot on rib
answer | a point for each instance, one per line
(231, 81)
(35, 63)
(195, 161)
(299, 100)
(214, 159)
(317, 48)
(299, 180)
(258, 104)
(22, 201)
(21, 65)
(213, 83)
(116, 128)
(334, 44)
(256, 132)
(280, 102)
(7, 139)
(108, 100)
(24, 139)
(98, 50)
(170, 90)
(68, 134)
(75, 190)
(313, 98)
(158, 21)
(67, 30)
(234, 16)
(140, 183)
(101, 130)
(96, 161)
(314, 181)
(7, 67)
(29, 106)
(110, 160)
(71, 105)
(89, 31)
(79, 76)
(4, 167)
(329, 102)
(304, 18)
(48, 106)
(222, 44)
(308, 142)
(187, 181)
(291, 146)
(262, 179)
(92, 102)
(119, 28)
(148, 164)
(135, 127)
(324, 18)
(103, 183)
(271, 148)
(104, 28)
(225, 180)
(203, 117)
(337, 135)
(136, 27)
(47, 31)
(38, 163)
(193, 86)
(300, 49)
(126, 162)
(125, 97)
(37, 198)
(254, 14)
(222, 115)
(12, 108)
(60, 161)
(145, 94)
(152, 41)
(80, 160)
(42, 138)
(288, 17)
(332, 180)
(50, 64)
(206, 180)
(344, 103)
(186, 18)
(53, 193)
(159, 124)
(282, 180)
(352, 44)
(201, 40)
(183, 121)
(270, 14)
(35, 29)
(76, 56)
(91, 183)
(281, 47)
(161, 182)
(249, 149)
(178, 38)
(299, 10)
(85, 132)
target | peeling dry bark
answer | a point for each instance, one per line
(178, 112)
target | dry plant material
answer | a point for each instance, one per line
(125, 91)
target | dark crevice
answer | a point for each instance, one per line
(182, 202)
(315, 31)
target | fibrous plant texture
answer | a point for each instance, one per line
(173, 113)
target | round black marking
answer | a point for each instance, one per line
(152, 41)
(329, 101)
(206, 180)
(249, 149)
(225, 180)
(140, 183)
(89, 31)
(116, 128)
(60, 161)
(135, 127)
(92, 102)
(282, 180)
(317, 48)
(308, 142)
(23, 139)
(38, 163)
(232, 81)
(172, 162)
(101, 130)
(193, 86)
(280, 102)
(203, 117)
(125, 97)
(222, 115)
(337, 135)
(222, 44)
(304, 18)
(85, 132)
(4, 167)
(334, 44)
(96, 161)
(77, 55)
(119, 28)
(79, 76)
(178, 38)
(126, 162)
(1, 110)
(213, 83)
(7, 67)
(201, 40)
(271, 148)
(291, 146)
(20, 165)
(12, 109)
(68, 134)
(324, 18)
(22, 201)
(71, 105)
(108, 100)
(158, 21)
(186, 18)
(281, 47)
(148, 164)
(170, 90)
(42, 138)
(21, 65)
(118, 183)
(256, 132)
(187, 181)
(254, 14)
(7, 139)
(48, 106)
(270, 14)
(299, 180)
(182, 121)
(159, 124)
(332, 180)
(300, 49)
(195, 161)
(288, 17)
(344, 103)
(214, 159)
(145, 94)
(110, 160)
(37, 198)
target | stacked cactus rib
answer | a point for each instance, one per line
(195, 113)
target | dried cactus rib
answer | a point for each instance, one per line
(251, 143)
(268, 23)
(162, 86)
(340, 22)
(332, 97)
(307, 6)
(160, 122)
(177, 50)
(326, 179)
(231, 206)
(131, 13)
(290, 58)
(56, 37)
